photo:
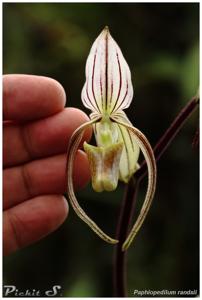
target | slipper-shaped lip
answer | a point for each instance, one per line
(107, 91)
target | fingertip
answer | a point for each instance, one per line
(39, 96)
(32, 220)
(58, 89)
(64, 210)
(83, 118)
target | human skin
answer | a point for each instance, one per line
(36, 130)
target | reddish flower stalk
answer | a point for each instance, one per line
(128, 204)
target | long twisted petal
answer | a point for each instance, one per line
(73, 146)
(147, 151)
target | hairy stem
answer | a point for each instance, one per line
(128, 204)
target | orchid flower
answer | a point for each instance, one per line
(107, 91)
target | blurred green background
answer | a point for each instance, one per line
(161, 45)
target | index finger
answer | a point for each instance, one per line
(30, 97)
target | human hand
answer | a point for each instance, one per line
(36, 132)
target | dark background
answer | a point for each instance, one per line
(161, 45)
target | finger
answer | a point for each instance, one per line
(45, 176)
(42, 138)
(29, 97)
(30, 221)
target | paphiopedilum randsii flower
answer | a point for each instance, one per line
(107, 91)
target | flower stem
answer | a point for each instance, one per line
(128, 204)
(122, 230)
(170, 133)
